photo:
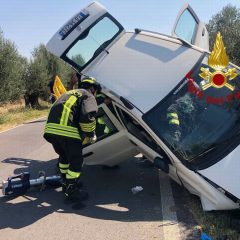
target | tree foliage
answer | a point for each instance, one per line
(227, 22)
(20, 77)
(42, 68)
(12, 68)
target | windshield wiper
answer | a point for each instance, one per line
(219, 145)
(101, 48)
(204, 152)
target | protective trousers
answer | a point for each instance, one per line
(70, 156)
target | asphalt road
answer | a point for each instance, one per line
(112, 211)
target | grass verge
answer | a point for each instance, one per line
(12, 115)
(217, 224)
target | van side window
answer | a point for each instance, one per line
(138, 131)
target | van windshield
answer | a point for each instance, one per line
(92, 41)
(200, 119)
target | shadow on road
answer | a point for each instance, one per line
(110, 194)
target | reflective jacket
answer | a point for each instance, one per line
(101, 121)
(72, 115)
(182, 116)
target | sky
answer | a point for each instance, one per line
(28, 23)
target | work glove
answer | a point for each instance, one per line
(86, 140)
(93, 139)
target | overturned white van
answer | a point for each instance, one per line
(145, 74)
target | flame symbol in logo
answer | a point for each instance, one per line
(218, 60)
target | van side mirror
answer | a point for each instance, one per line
(161, 163)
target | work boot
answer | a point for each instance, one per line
(73, 193)
(63, 183)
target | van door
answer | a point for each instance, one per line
(85, 37)
(113, 145)
(144, 142)
(189, 28)
(137, 134)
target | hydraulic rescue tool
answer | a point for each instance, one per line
(19, 184)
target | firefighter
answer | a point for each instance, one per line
(181, 118)
(51, 92)
(70, 122)
(74, 81)
(101, 125)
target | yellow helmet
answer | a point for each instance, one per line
(88, 82)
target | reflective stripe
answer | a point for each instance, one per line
(63, 166)
(100, 95)
(88, 127)
(172, 115)
(88, 80)
(72, 175)
(174, 121)
(64, 171)
(58, 129)
(62, 127)
(67, 109)
(100, 120)
(61, 133)
(106, 130)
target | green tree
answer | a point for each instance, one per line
(35, 80)
(12, 68)
(42, 68)
(227, 22)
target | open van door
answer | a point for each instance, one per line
(86, 37)
(189, 28)
(113, 145)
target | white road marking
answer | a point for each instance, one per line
(170, 225)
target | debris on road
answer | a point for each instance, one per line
(136, 189)
(203, 236)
